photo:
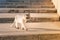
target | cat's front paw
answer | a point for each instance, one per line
(17, 27)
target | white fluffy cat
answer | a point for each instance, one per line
(21, 20)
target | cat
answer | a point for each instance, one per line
(21, 20)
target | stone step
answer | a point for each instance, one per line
(28, 6)
(28, 10)
(22, 4)
(32, 20)
(12, 15)
(43, 0)
(8, 17)
(10, 33)
(41, 3)
(26, 3)
(41, 10)
(6, 20)
(42, 6)
(37, 31)
(34, 17)
(43, 20)
(32, 37)
(43, 17)
(47, 15)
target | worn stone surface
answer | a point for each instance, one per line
(49, 37)
(33, 37)
(34, 17)
(42, 30)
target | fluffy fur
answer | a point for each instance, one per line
(20, 20)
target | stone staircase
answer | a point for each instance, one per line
(44, 17)
(44, 11)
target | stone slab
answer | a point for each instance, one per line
(36, 31)
(12, 15)
(31, 10)
(44, 15)
(33, 28)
